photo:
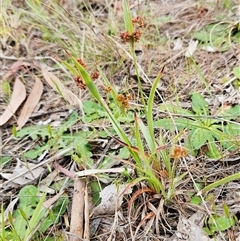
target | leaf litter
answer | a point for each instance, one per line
(217, 62)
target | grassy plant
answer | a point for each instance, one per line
(150, 163)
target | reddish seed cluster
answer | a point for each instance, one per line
(125, 36)
(124, 100)
(137, 35)
(80, 61)
(138, 20)
(129, 97)
(94, 75)
(78, 79)
(179, 152)
(108, 89)
(79, 82)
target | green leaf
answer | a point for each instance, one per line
(34, 132)
(229, 114)
(91, 107)
(220, 182)
(58, 209)
(198, 137)
(199, 104)
(236, 71)
(149, 134)
(196, 200)
(167, 123)
(28, 200)
(72, 119)
(4, 160)
(127, 17)
(175, 109)
(36, 152)
(213, 151)
(124, 153)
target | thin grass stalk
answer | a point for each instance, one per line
(129, 28)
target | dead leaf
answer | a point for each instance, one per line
(31, 103)
(190, 229)
(8, 210)
(178, 44)
(191, 48)
(18, 96)
(63, 170)
(111, 200)
(21, 168)
(47, 204)
(58, 86)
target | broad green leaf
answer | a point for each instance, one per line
(213, 151)
(224, 223)
(124, 153)
(72, 119)
(199, 104)
(91, 107)
(199, 137)
(37, 151)
(167, 123)
(28, 200)
(58, 209)
(229, 114)
(196, 200)
(34, 132)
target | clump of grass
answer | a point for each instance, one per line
(152, 158)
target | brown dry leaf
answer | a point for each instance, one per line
(58, 86)
(31, 103)
(18, 96)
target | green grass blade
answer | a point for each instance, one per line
(127, 17)
(36, 217)
(152, 143)
(220, 182)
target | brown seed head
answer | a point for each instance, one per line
(138, 20)
(179, 152)
(79, 82)
(137, 35)
(81, 63)
(95, 75)
(125, 36)
(108, 89)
